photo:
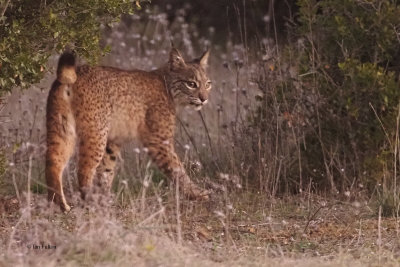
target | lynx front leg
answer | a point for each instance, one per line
(162, 152)
(106, 170)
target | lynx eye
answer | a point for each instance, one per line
(208, 84)
(191, 85)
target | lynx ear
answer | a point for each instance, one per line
(176, 61)
(203, 60)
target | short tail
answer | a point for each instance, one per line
(66, 73)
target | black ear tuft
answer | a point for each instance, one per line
(203, 60)
(176, 60)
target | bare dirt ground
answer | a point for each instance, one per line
(253, 230)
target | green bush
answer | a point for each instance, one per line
(345, 96)
(32, 30)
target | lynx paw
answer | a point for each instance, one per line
(194, 192)
(65, 207)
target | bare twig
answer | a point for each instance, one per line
(151, 217)
(178, 214)
(29, 184)
(379, 235)
(207, 132)
(396, 151)
(16, 187)
(5, 8)
(383, 127)
(189, 136)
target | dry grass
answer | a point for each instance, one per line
(301, 231)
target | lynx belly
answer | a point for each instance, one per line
(124, 126)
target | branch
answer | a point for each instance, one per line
(5, 8)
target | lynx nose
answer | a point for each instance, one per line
(203, 97)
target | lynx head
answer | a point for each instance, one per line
(188, 82)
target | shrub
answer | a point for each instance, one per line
(32, 30)
(344, 95)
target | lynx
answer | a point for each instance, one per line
(98, 109)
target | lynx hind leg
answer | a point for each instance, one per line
(106, 170)
(61, 137)
(91, 150)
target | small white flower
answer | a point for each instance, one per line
(137, 150)
(224, 176)
(187, 147)
(145, 150)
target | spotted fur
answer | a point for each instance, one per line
(98, 109)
